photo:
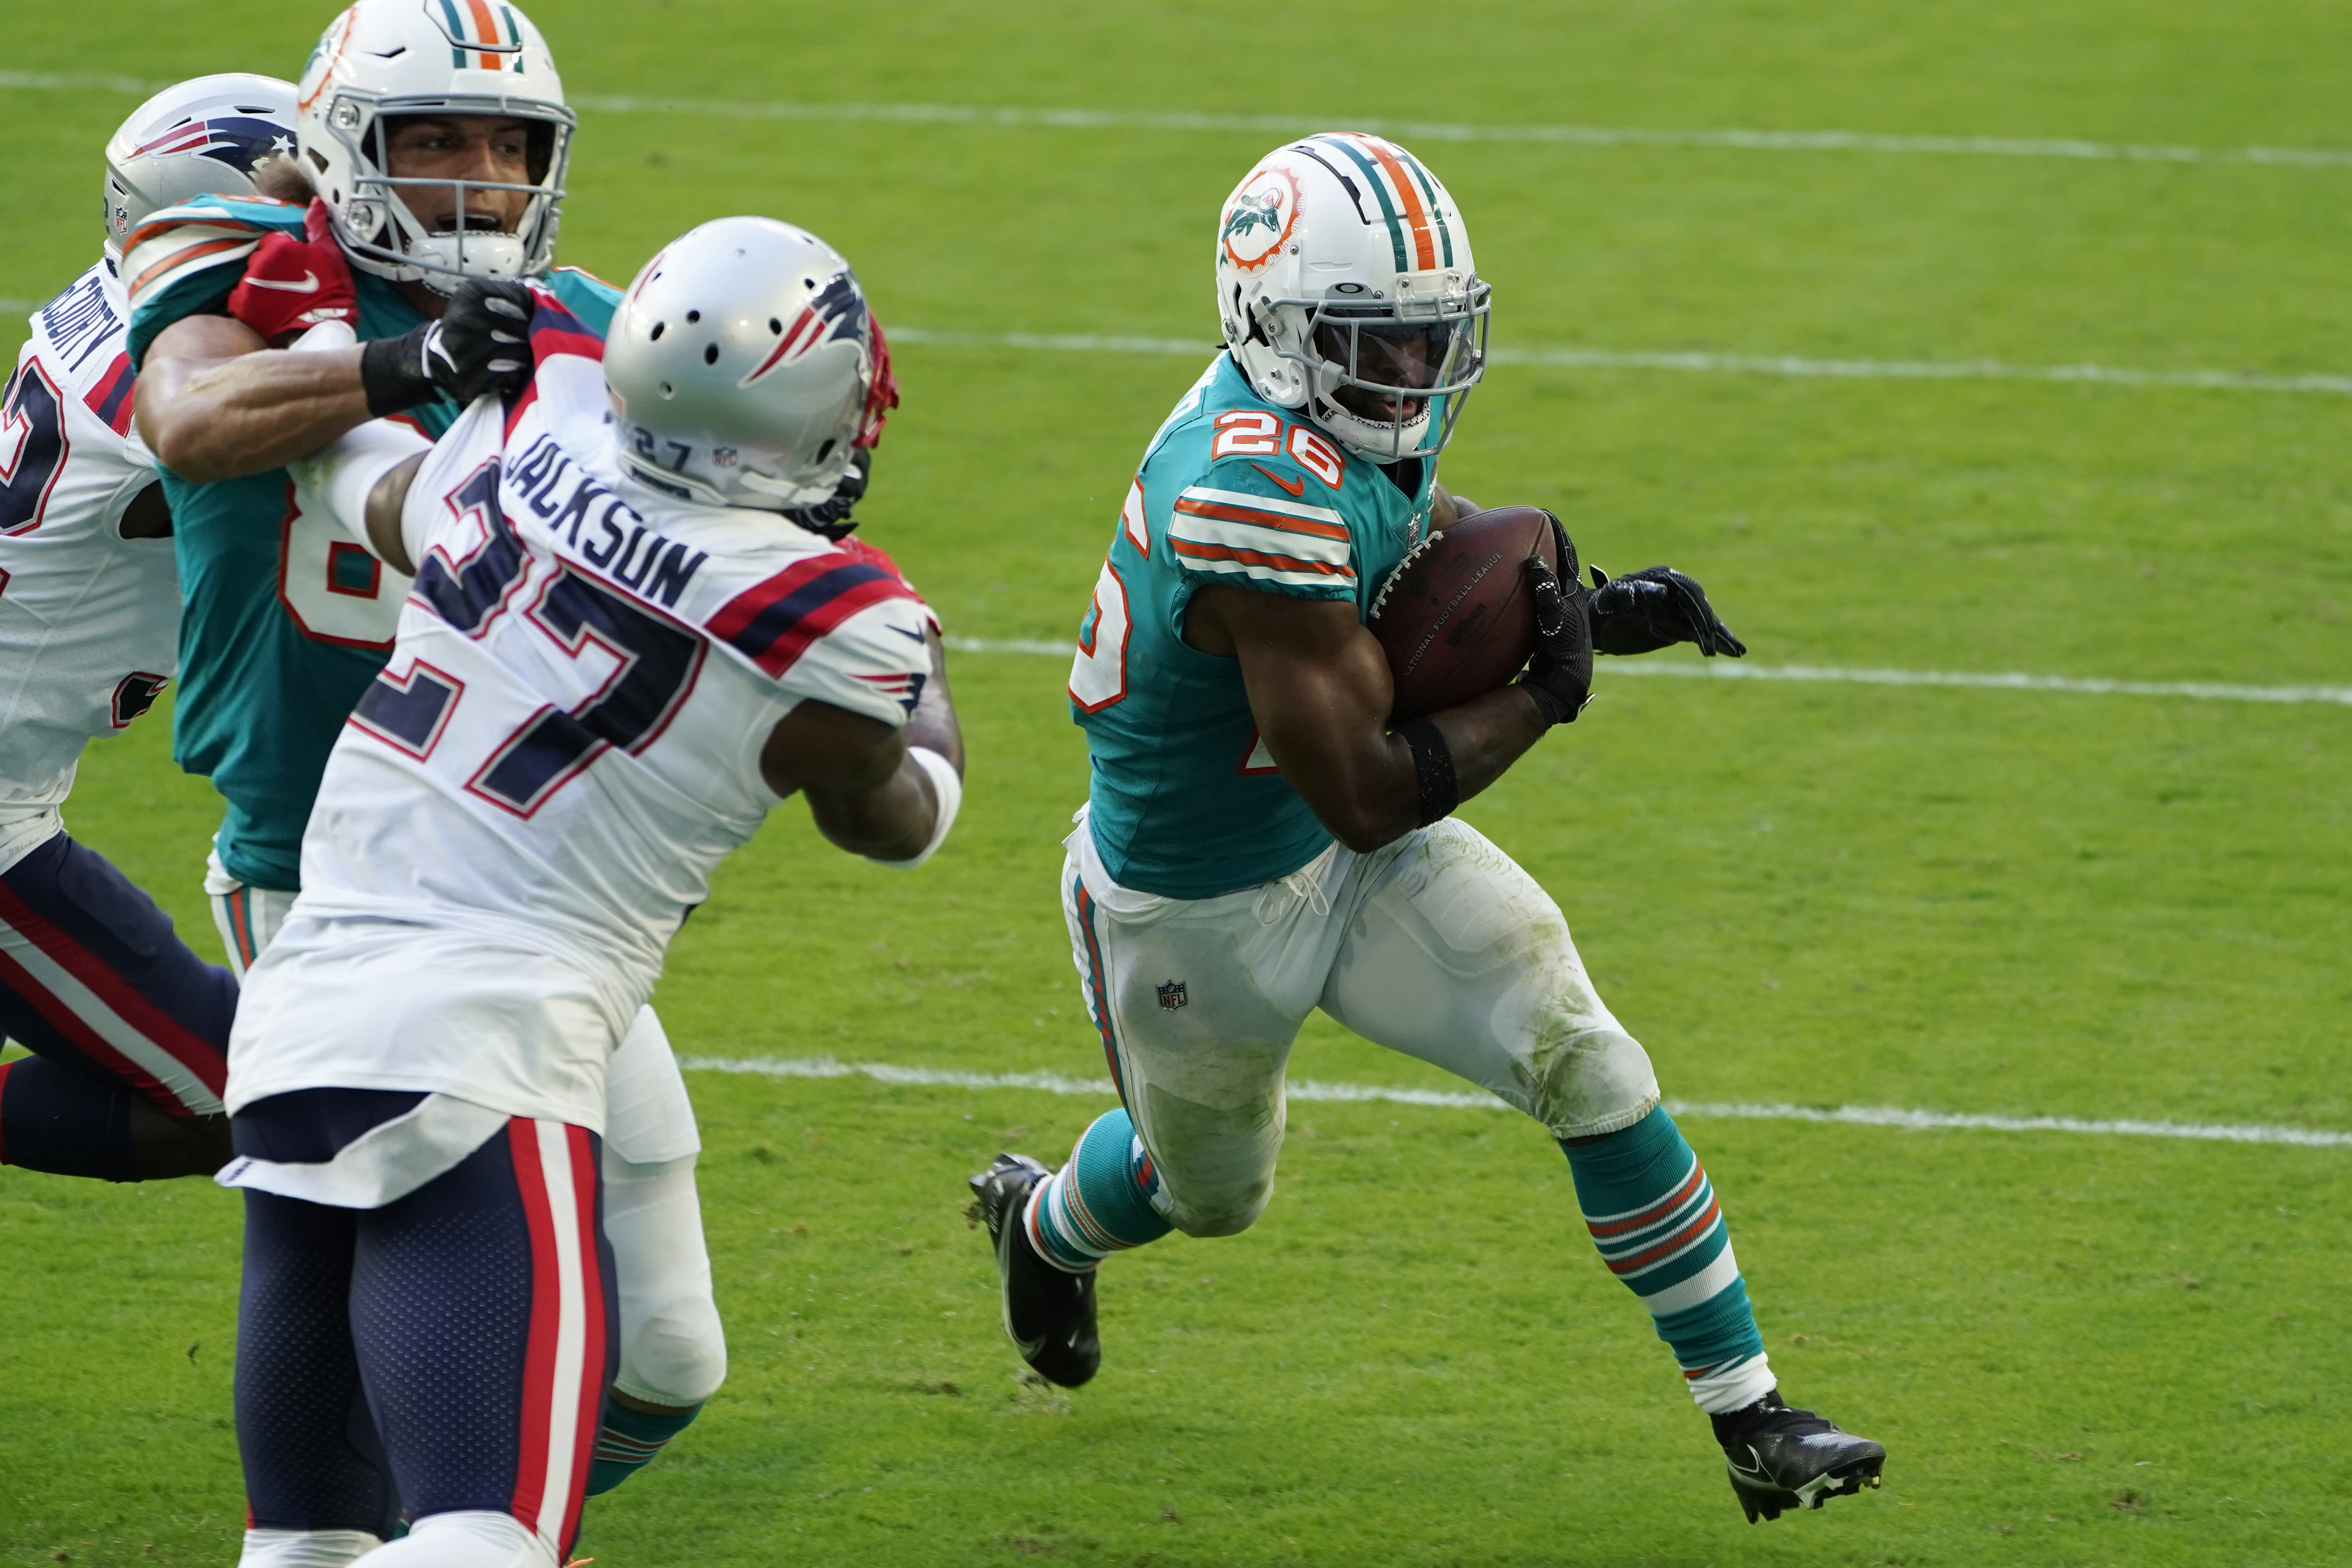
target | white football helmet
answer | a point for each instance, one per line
(741, 362)
(1346, 287)
(201, 138)
(384, 59)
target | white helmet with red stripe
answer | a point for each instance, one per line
(383, 60)
(746, 367)
(1346, 287)
(201, 138)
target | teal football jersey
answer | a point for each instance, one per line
(284, 619)
(1184, 800)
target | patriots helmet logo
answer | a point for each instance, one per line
(234, 141)
(837, 311)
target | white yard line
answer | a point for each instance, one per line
(1740, 669)
(1791, 365)
(1736, 140)
(1310, 1090)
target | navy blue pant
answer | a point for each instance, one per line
(450, 1350)
(122, 1016)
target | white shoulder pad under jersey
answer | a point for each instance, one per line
(88, 620)
(567, 737)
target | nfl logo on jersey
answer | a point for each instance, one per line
(1171, 995)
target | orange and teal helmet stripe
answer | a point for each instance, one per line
(1429, 190)
(1380, 188)
(471, 21)
(1414, 211)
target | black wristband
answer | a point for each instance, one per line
(391, 373)
(1433, 769)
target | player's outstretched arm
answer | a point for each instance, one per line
(868, 786)
(1320, 692)
(215, 403)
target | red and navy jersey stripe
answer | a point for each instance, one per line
(773, 623)
(110, 399)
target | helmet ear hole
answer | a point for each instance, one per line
(655, 336)
(710, 353)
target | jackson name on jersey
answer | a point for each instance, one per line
(565, 744)
(285, 619)
(1184, 800)
(89, 619)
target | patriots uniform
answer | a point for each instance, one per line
(1185, 802)
(284, 620)
(92, 977)
(89, 619)
(565, 744)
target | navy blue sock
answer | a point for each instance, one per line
(70, 1124)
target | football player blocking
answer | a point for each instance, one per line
(431, 163)
(128, 1026)
(1257, 843)
(617, 658)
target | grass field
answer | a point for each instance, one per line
(2077, 1348)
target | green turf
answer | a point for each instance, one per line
(2078, 1350)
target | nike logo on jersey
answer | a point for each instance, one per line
(309, 285)
(1295, 486)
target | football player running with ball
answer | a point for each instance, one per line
(129, 1028)
(619, 655)
(1257, 842)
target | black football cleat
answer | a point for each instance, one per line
(1049, 1312)
(1784, 1458)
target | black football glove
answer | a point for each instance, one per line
(1652, 609)
(1559, 675)
(481, 344)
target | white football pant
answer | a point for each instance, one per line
(1437, 945)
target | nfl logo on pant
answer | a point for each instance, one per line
(1171, 995)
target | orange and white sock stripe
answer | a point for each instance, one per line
(567, 1359)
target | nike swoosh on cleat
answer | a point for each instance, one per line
(310, 284)
(1295, 486)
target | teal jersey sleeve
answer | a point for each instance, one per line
(183, 260)
(1185, 801)
(586, 296)
(1261, 522)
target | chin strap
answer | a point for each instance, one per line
(830, 518)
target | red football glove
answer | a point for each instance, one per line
(883, 395)
(292, 285)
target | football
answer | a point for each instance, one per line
(1455, 618)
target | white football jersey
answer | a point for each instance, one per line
(565, 744)
(89, 621)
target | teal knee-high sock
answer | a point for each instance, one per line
(628, 1441)
(1100, 1203)
(1652, 1213)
